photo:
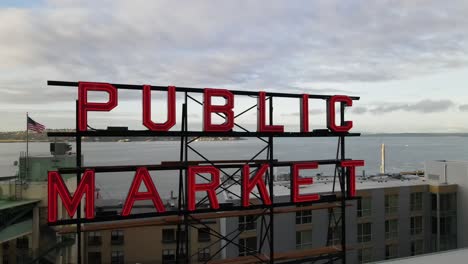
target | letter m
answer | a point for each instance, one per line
(56, 188)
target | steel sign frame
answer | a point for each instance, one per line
(266, 132)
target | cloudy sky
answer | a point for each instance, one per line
(408, 60)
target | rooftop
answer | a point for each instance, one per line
(451, 256)
(324, 184)
(6, 204)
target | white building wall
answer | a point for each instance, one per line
(453, 172)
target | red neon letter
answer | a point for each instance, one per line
(261, 116)
(297, 180)
(84, 106)
(142, 175)
(331, 123)
(210, 188)
(305, 113)
(171, 109)
(226, 109)
(352, 164)
(248, 185)
(56, 187)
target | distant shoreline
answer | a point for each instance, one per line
(20, 141)
(20, 137)
(122, 140)
(414, 134)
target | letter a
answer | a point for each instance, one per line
(142, 175)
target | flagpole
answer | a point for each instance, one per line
(27, 146)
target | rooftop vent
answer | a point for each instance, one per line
(59, 148)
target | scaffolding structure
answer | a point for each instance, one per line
(185, 219)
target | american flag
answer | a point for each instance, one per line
(35, 126)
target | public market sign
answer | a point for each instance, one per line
(58, 191)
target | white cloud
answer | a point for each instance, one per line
(268, 45)
(424, 106)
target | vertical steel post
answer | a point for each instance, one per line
(271, 189)
(181, 184)
(343, 183)
(186, 212)
(438, 220)
(78, 179)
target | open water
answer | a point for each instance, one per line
(402, 154)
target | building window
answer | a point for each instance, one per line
(168, 256)
(391, 251)
(303, 217)
(416, 225)
(117, 237)
(447, 226)
(22, 243)
(204, 254)
(448, 232)
(391, 229)
(447, 221)
(204, 235)
(448, 202)
(434, 202)
(391, 203)
(247, 222)
(365, 255)
(364, 232)
(303, 239)
(434, 225)
(5, 246)
(417, 247)
(416, 201)
(94, 258)
(247, 246)
(335, 238)
(94, 238)
(364, 207)
(117, 257)
(168, 235)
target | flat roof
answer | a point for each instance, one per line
(450, 256)
(16, 230)
(6, 204)
(324, 184)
